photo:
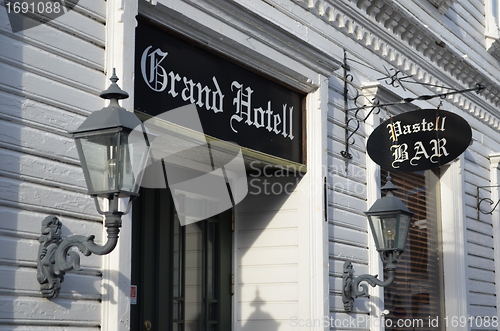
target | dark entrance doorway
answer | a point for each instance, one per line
(183, 273)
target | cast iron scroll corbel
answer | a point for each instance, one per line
(351, 286)
(55, 257)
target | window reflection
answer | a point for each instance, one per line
(416, 293)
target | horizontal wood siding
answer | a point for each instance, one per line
(267, 257)
(346, 190)
(50, 79)
(480, 241)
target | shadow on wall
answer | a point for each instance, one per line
(266, 238)
(252, 323)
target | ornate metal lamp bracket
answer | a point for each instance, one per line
(353, 288)
(394, 78)
(55, 257)
(489, 200)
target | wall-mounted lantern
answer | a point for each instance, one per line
(108, 155)
(389, 222)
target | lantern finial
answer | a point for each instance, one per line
(114, 91)
(389, 186)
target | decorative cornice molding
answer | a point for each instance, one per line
(494, 49)
(442, 5)
(357, 22)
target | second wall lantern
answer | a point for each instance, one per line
(389, 221)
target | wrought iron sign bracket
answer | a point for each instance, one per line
(394, 78)
(489, 200)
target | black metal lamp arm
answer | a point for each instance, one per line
(351, 286)
(65, 260)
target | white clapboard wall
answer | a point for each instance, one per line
(267, 254)
(480, 239)
(50, 78)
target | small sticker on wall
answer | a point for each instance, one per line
(133, 294)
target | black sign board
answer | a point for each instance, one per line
(419, 140)
(233, 103)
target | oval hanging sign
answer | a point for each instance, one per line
(419, 140)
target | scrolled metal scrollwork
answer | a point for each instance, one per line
(394, 78)
(353, 288)
(361, 102)
(55, 257)
(488, 200)
(50, 283)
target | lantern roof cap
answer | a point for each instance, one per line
(113, 115)
(389, 186)
(389, 203)
(108, 118)
(114, 91)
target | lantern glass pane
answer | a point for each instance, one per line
(404, 225)
(126, 181)
(99, 158)
(134, 154)
(389, 231)
(384, 229)
(376, 225)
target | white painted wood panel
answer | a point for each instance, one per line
(267, 258)
(480, 242)
(51, 77)
(37, 169)
(39, 311)
(36, 194)
(46, 38)
(48, 64)
(98, 8)
(28, 84)
(19, 281)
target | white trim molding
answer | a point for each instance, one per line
(373, 193)
(491, 30)
(313, 299)
(453, 232)
(495, 196)
(116, 275)
(494, 48)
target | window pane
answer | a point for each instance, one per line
(416, 293)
